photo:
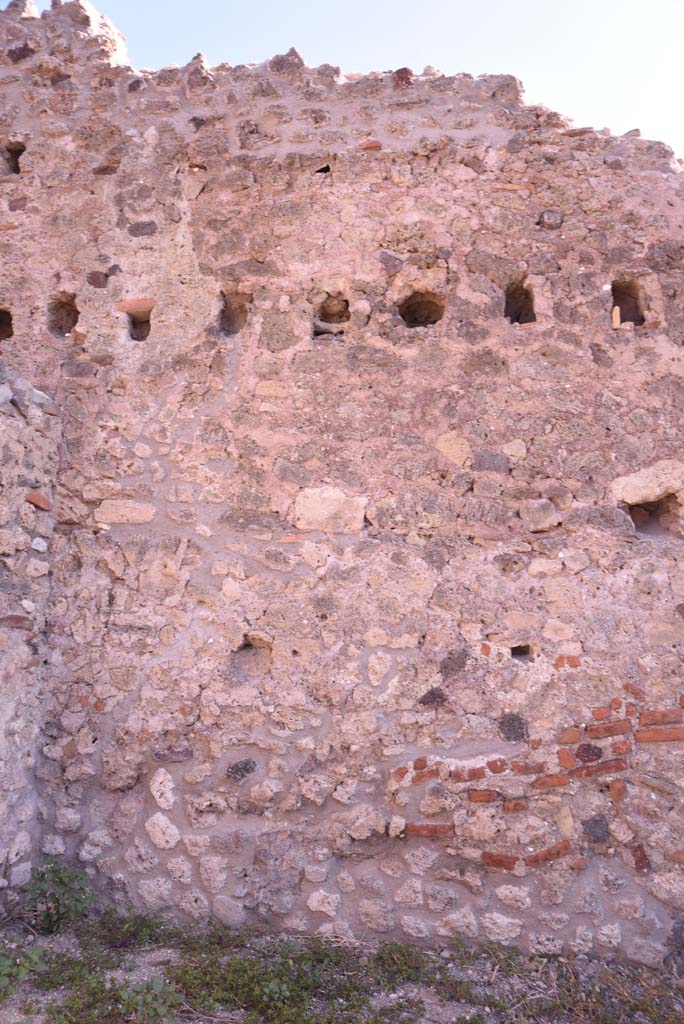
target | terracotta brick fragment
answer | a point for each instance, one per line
(483, 796)
(634, 691)
(559, 662)
(551, 781)
(570, 735)
(39, 500)
(600, 732)
(16, 622)
(551, 853)
(671, 734)
(400, 773)
(572, 661)
(535, 744)
(675, 856)
(600, 714)
(615, 704)
(497, 766)
(579, 863)
(617, 790)
(514, 805)
(566, 758)
(621, 747)
(616, 764)
(641, 861)
(371, 146)
(474, 774)
(668, 716)
(429, 830)
(486, 650)
(525, 768)
(456, 775)
(425, 776)
(499, 860)
(420, 763)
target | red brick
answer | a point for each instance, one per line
(565, 758)
(420, 763)
(634, 691)
(535, 744)
(525, 768)
(429, 830)
(550, 781)
(99, 705)
(570, 735)
(600, 732)
(514, 805)
(616, 764)
(84, 701)
(551, 853)
(579, 863)
(476, 773)
(641, 861)
(615, 704)
(559, 662)
(572, 661)
(671, 734)
(600, 714)
(669, 716)
(499, 860)
(371, 145)
(497, 766)
(16, 622)
(675, 856)
(400, 773)
(486, 650)
(39, 500)
(483, 796)
(621, 747)
(457, 776)
(617, 790)
(420, 777)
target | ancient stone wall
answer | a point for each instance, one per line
(367, 612)
(29, 439)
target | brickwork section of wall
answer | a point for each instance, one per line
(367, 613)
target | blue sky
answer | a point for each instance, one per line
(607, 63)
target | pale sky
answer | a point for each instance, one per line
(605, 63)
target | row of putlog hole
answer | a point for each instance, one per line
(63, 315)
(419, 309)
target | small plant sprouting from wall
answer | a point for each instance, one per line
(57, 895)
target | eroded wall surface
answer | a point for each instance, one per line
(355, 625)
(29, 441)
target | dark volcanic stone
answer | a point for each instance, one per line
(587, 752)
(434, 698)
(514, 728)
(596, 828)
(239, 770)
